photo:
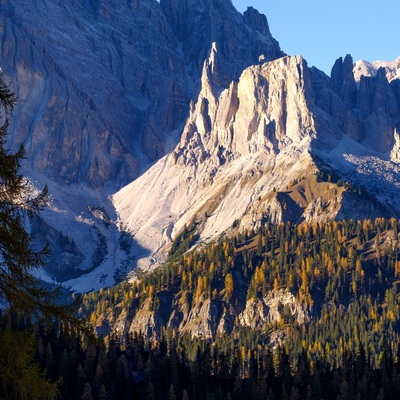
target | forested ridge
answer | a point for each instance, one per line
(343, 273)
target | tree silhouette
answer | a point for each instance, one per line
(24, 298)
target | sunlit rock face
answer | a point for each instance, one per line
(250, 153)
(104, 86)
(236, 146)
(195, 112)
(104, 91)
(204, 318)
(370, 69)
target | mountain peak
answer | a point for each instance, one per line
(343, 81)
(236, 146)
(256, 21)
(369, 69)
(196, 105)
(107, 87)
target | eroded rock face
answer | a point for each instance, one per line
(343, 82)
(260, 312)
(379, 111)
(240, 40)
(365, 68)
(202, 320)
(235, 147)
(369, 111)
(104, 89)
(206, 318)
(238, 147)
(104, 85)
(88, 78)
(108, 87)
(265, 111)
(272, 127)
(395, 153)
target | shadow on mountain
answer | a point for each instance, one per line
(89, 251)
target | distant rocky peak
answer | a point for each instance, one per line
(239, 39)
(265, 111)
(381, 78)
(342, 71)
(370, 69)
(256, 21)
(213, 76)
(343, 82)
(368, 102)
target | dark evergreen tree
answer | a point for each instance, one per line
(18, 201)
(24, 297)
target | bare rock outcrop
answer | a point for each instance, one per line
(369, 69)
(206, 318)
(276, 125)
(270, 309)
(104, 85)
(236, 146)
(379, 110)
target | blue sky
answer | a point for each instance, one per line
(322, 31)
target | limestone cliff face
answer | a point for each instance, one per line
(249, 153)
(236, 132)
(104, 85)
(241, 40)
(369, 69)
(104, 90)
(267, 110)
(205, 318)
(370, 110)
(88, 78)
(260, 312)
(236, 146)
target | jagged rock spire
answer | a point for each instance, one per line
(343, 82)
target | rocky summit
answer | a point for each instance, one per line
(283, 143)
(188, 114)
